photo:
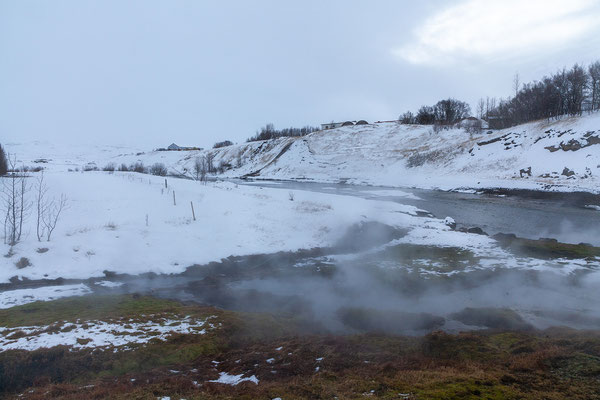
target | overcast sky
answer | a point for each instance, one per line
(149, 73)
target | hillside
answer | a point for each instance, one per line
(411, 155)
(563, 156)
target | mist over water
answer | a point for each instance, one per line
(397, 288)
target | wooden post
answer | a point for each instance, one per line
(146, 219)
(165, 183)
(193, 213)
(174, 202)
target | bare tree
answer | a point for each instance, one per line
(52, 214)
(594, 72)
(16, 208)
(3, 162)
(200, 168)
(481, 108)
(516, 83)
(41, 206)
(210, 164)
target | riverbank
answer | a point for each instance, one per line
(246, 355)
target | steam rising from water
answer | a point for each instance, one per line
(396, 290)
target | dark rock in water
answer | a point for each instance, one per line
(494, 318)
(476, 230)
(371, 320)
(505, 237)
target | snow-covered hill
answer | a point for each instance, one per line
(563, 155)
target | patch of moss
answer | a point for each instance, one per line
(547, 248)
(87, 308)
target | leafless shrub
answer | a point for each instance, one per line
(90, 167)
(23, 262)
(52, 214)
(291, 196)
(158, 169)
(123, 168)
(138, 167)
(200, 168)
(110, 167)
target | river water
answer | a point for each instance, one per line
(531, 215)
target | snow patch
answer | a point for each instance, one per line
(12, 298)
(233, 380)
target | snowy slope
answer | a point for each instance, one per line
(402, 155)
(387, 154)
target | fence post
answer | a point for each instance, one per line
(174, 202)
(193, 213)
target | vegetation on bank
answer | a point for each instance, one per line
(551, 364)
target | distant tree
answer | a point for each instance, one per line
(407, 118)
(224, 143)
(481, 110)
(577, 79)
(566, 92)
(110, 167)
(3, 162)
(200, 168)
(516, 83)
(123, 168)
(210, 163)
(594, 72)
(269, 132)
(425, 116)
(138, 167)
(450, 111)
(158, 169)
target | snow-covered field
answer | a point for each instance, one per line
(128, 223)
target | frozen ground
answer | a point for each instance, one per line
(128, 223)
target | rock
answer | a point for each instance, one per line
(548, 240)
(525, 172)
(567, 172)
(505, 238)
(450, 222)
(476, 230)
